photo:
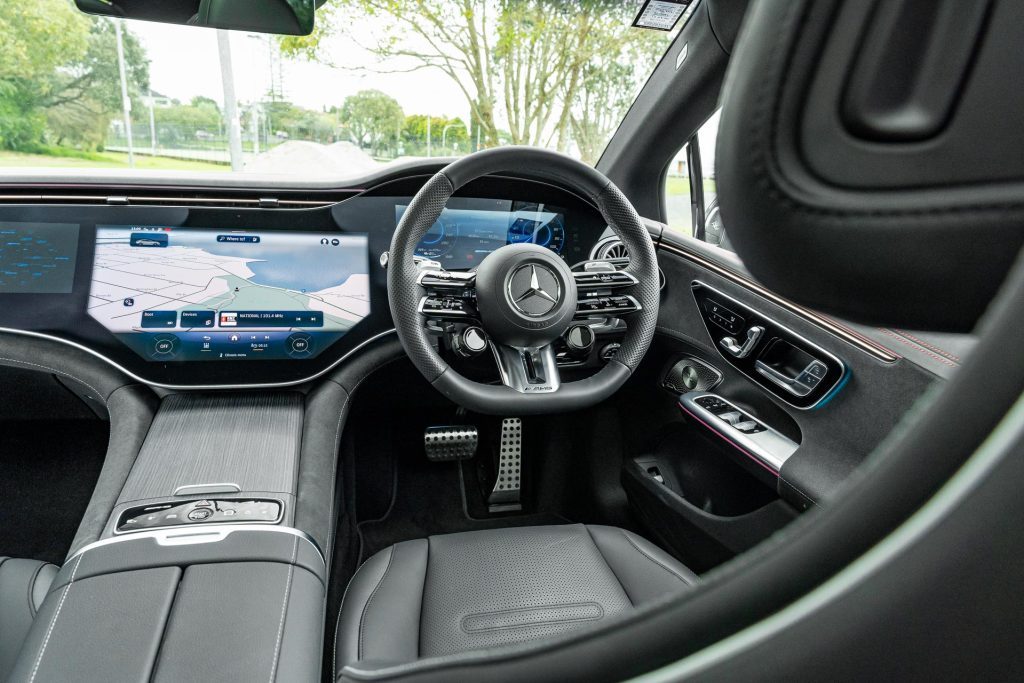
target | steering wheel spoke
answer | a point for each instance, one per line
(527, 370)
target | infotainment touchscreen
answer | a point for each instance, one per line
(191, 294)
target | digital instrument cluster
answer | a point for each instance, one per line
(471, 228)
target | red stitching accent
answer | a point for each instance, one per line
(925, 344)
(917, 348)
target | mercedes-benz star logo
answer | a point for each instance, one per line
(534, 290)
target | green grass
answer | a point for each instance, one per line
(64, 158)
(676, 185)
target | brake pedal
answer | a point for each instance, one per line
(505, 497)
(444, 444)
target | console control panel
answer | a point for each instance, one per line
(209, 510)
(730, 415)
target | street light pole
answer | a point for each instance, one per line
(444, 136)
(126, 102)
(152, 124)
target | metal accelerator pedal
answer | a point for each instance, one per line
(457, 442)
(507, 486)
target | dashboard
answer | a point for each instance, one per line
(189, 296)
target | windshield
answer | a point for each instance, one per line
(378, 82)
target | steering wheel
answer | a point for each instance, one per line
(524, 296)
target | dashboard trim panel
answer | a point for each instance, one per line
(202, 387)
(864, 345)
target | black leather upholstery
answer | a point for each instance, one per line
(23, 586)
(866, 165)
(478, 590)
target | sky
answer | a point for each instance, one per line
(185, 63)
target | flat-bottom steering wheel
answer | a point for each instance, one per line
(524, 295)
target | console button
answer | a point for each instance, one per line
(808, 380)
(164, 346)
(817, 368)
(199, 514)
(299, 345)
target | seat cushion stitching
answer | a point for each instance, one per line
(53, 621)
(337, 623)
(654, 560)
(608, 564)
(31, 587)
(366, 607)
(284, 609)
(99, 394)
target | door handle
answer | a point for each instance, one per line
(753, 337)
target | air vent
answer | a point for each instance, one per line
(611, 249)
(616, 250)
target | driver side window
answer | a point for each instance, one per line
(691, 194)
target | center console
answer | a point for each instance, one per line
(219, 603)
(200, 571)
(205, 552)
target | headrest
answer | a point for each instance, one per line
(870, 157)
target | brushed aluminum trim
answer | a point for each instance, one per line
(209, 533)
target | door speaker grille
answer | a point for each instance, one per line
(691, 374)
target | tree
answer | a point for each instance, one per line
(87, 92)
(58, 69)
(371, 117)
(37, 38)
(203, 101)
(414, 134)
(531, 62)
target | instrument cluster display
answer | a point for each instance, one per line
(469, 229)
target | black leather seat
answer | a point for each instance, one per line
(455, 593)
(23, 585)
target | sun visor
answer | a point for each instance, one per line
(870, 158)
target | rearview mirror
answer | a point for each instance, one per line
(289, 17)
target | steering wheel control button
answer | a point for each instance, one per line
(444, 307)
(580, 340)
(472, 341)
(609, 351)
(299, 345)
(445, 279)
(607, 305)
(603, 280)
(164, 346)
